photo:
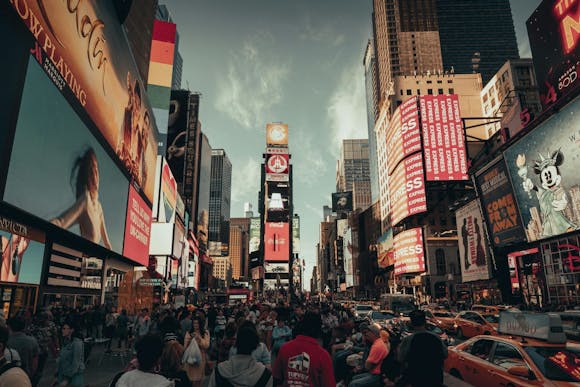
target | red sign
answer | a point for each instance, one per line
(407, 189)
(403, 135)
(277, 163)
(443, 141)
(409, 251)
(137, 229)
(277, 242)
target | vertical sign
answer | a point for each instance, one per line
(137, 229)
(407, 189)
(403, 135)
(409, 251)
(296, 235)
(473, 251)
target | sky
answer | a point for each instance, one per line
(295, 61)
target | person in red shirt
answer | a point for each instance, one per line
(379, 351)
(302, 361)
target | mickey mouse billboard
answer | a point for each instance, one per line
(543, 168)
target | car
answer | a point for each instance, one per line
(362, 310)
(380, 317)
(468, 324)
(490, 309)
(531, 350)
(406, 329)
(442, 318)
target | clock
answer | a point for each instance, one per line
(277, 134)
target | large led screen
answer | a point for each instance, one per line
(22, 249)
(407, 189)
(409, 251)
(473, 251)
(137, 229)
(277, 242)
(83, 46)
(403, 134)
(58, 170)
(543, 168)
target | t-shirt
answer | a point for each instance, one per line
(378, 353)
(303, 362)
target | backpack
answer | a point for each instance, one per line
(262, 382)
(7, 367)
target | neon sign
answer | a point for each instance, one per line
(569, 23)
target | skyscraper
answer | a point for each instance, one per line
(476, 35)
(220, 192)
(353, 171)
(239, 247)
(372, 94)
(163, 14)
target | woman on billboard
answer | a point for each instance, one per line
(87, 211)
(12, 249)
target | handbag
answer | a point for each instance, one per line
(192, 354)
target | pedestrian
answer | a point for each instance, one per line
(71, 359)
(371, 377)
(201, 335)
(143, 324)
(46, 335)
(26, 346)
(227, 343)
(122, 328)
(242, 369)
(171, 366)
(185, 323)
(110, 326)
(303, 361)
(149, 349)
(261, 353)
(281, 334)
(11, 374)
(422, 355)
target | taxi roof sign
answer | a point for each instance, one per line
(543, 326)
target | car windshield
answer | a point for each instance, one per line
(381, 316)
(442, 314)
(364, 308)
(490, 318)
(557, 363)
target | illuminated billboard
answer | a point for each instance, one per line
(277, 167)
(277, 242)
(58, 170)
(543, 167)
(177, 132)
(295, 235)
(385, 252)
(137, 229)
(165, 203)
(409, 251)
(407, 189)
(443, 139)
(553, 30)
(277, 135)
(473, 253)
(84, 50)
(403, 135)
(342, 201)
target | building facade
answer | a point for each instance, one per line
(162, 13)
(353, 172)
(219, 201)
(239, 247)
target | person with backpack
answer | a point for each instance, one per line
(242, 369)
(71, 359)
(10, 373)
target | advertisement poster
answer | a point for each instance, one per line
(403, 134)
(203, 194)
(553, 33)
(59, 172)
(385, 251)
(543, 168)
(277, 167)
(342, 201)
(84, 49)
(296, 235)
(443, 139)
(276, 267)
(22, 249)
(473, 250)
(277, 135)
(254, 235)
(168, 202)
(409, 251)
(74, 269)
(138, 229)
(276, 239)
(407, 189)
(177, 131)
(499, 205)
(347, 248)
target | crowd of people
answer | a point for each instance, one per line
(253, 344)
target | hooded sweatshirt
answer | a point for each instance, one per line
(241, 371)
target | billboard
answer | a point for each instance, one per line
(203, 194)
(473, 250)
(22, 249)
(386, 252)
(254, 244)
(296, 235)
(277, 135)
(342, 201)
(194, 137)
(347, 248)
(407, 189)
(499, 204)
(59, 172)
(137, 229)
(177, 132)
(165, 203)
(277, 167)
(403, 135)
(409, 251)
(443, 138)
(68, 267)
(276, 240)
(553, 32)
(276, 267)
(84, 50)
(543, 168)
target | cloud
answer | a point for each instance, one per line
(346, 110)
(246, 180)
(315, 210)
(309, 161)
(322, 33)
(252, 84)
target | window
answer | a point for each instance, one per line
(440, 261)
(430, 91)
(439, 81)
(440, 91)
(507, 356)
(481, 349)
(409, 92)
(401, 91)
(429, 81)
(418, 91)
(451, 90)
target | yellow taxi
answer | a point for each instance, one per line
(442, 318)
(469, 323)
(531, 350)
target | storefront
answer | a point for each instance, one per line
(561, 259)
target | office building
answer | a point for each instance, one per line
(353, 173)
(219, 199)
(476, 35)
(239, 247)
(372, 97)
(139, 29)
(222, 270)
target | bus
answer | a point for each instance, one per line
(398, 303)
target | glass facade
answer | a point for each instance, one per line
(220, 192)
(562, 266)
